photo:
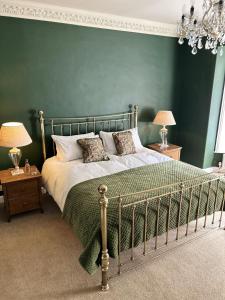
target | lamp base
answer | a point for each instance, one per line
(163, 146)
(163, 133)
(15, 156)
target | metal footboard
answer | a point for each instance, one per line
(170, 192)
(123, 121)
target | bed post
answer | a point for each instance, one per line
(42, 124)
(103, 201)
(135, 115)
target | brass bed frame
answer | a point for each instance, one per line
(121, 121)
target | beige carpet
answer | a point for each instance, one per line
(38, 260)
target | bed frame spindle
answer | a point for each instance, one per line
(103, 201)
(42, 124)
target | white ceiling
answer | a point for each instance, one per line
(165, 11)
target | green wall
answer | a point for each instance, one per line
(68, 70)
(200, 87)
(210, 158)
(193, 104)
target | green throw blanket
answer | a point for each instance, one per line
(82, 209)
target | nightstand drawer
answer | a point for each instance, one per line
(173, 154)
(23, 204)
(28, 187)
(22, 193)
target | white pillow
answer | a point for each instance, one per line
(67, 147)
(109, 144)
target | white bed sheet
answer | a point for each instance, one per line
(59, 177)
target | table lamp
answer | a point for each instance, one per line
(164, 118)
(13, 134)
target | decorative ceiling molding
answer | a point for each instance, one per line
(42, 12)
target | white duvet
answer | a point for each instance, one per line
(59, 177)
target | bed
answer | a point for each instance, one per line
(116, 205)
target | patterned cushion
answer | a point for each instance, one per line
(124, 142)
(92, 150)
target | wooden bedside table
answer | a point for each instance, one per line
(172, 151)
(21, 192)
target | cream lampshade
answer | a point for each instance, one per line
(164, 118)
(14, 134)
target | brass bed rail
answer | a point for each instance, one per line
(179, 189)
(79, 125)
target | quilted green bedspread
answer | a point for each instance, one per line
(82, 209)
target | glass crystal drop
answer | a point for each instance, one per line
(214, 51)
(194, 51)
(200, 45)
(207, 45)
(180, 41)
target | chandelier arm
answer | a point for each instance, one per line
(205, 14)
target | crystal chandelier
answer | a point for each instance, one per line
(208, 32)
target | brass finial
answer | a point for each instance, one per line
(136, 107)
(41, 113)
(102, 189)
(182, 186)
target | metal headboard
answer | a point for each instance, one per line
(71, 126)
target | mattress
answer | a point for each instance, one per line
(59, 177)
